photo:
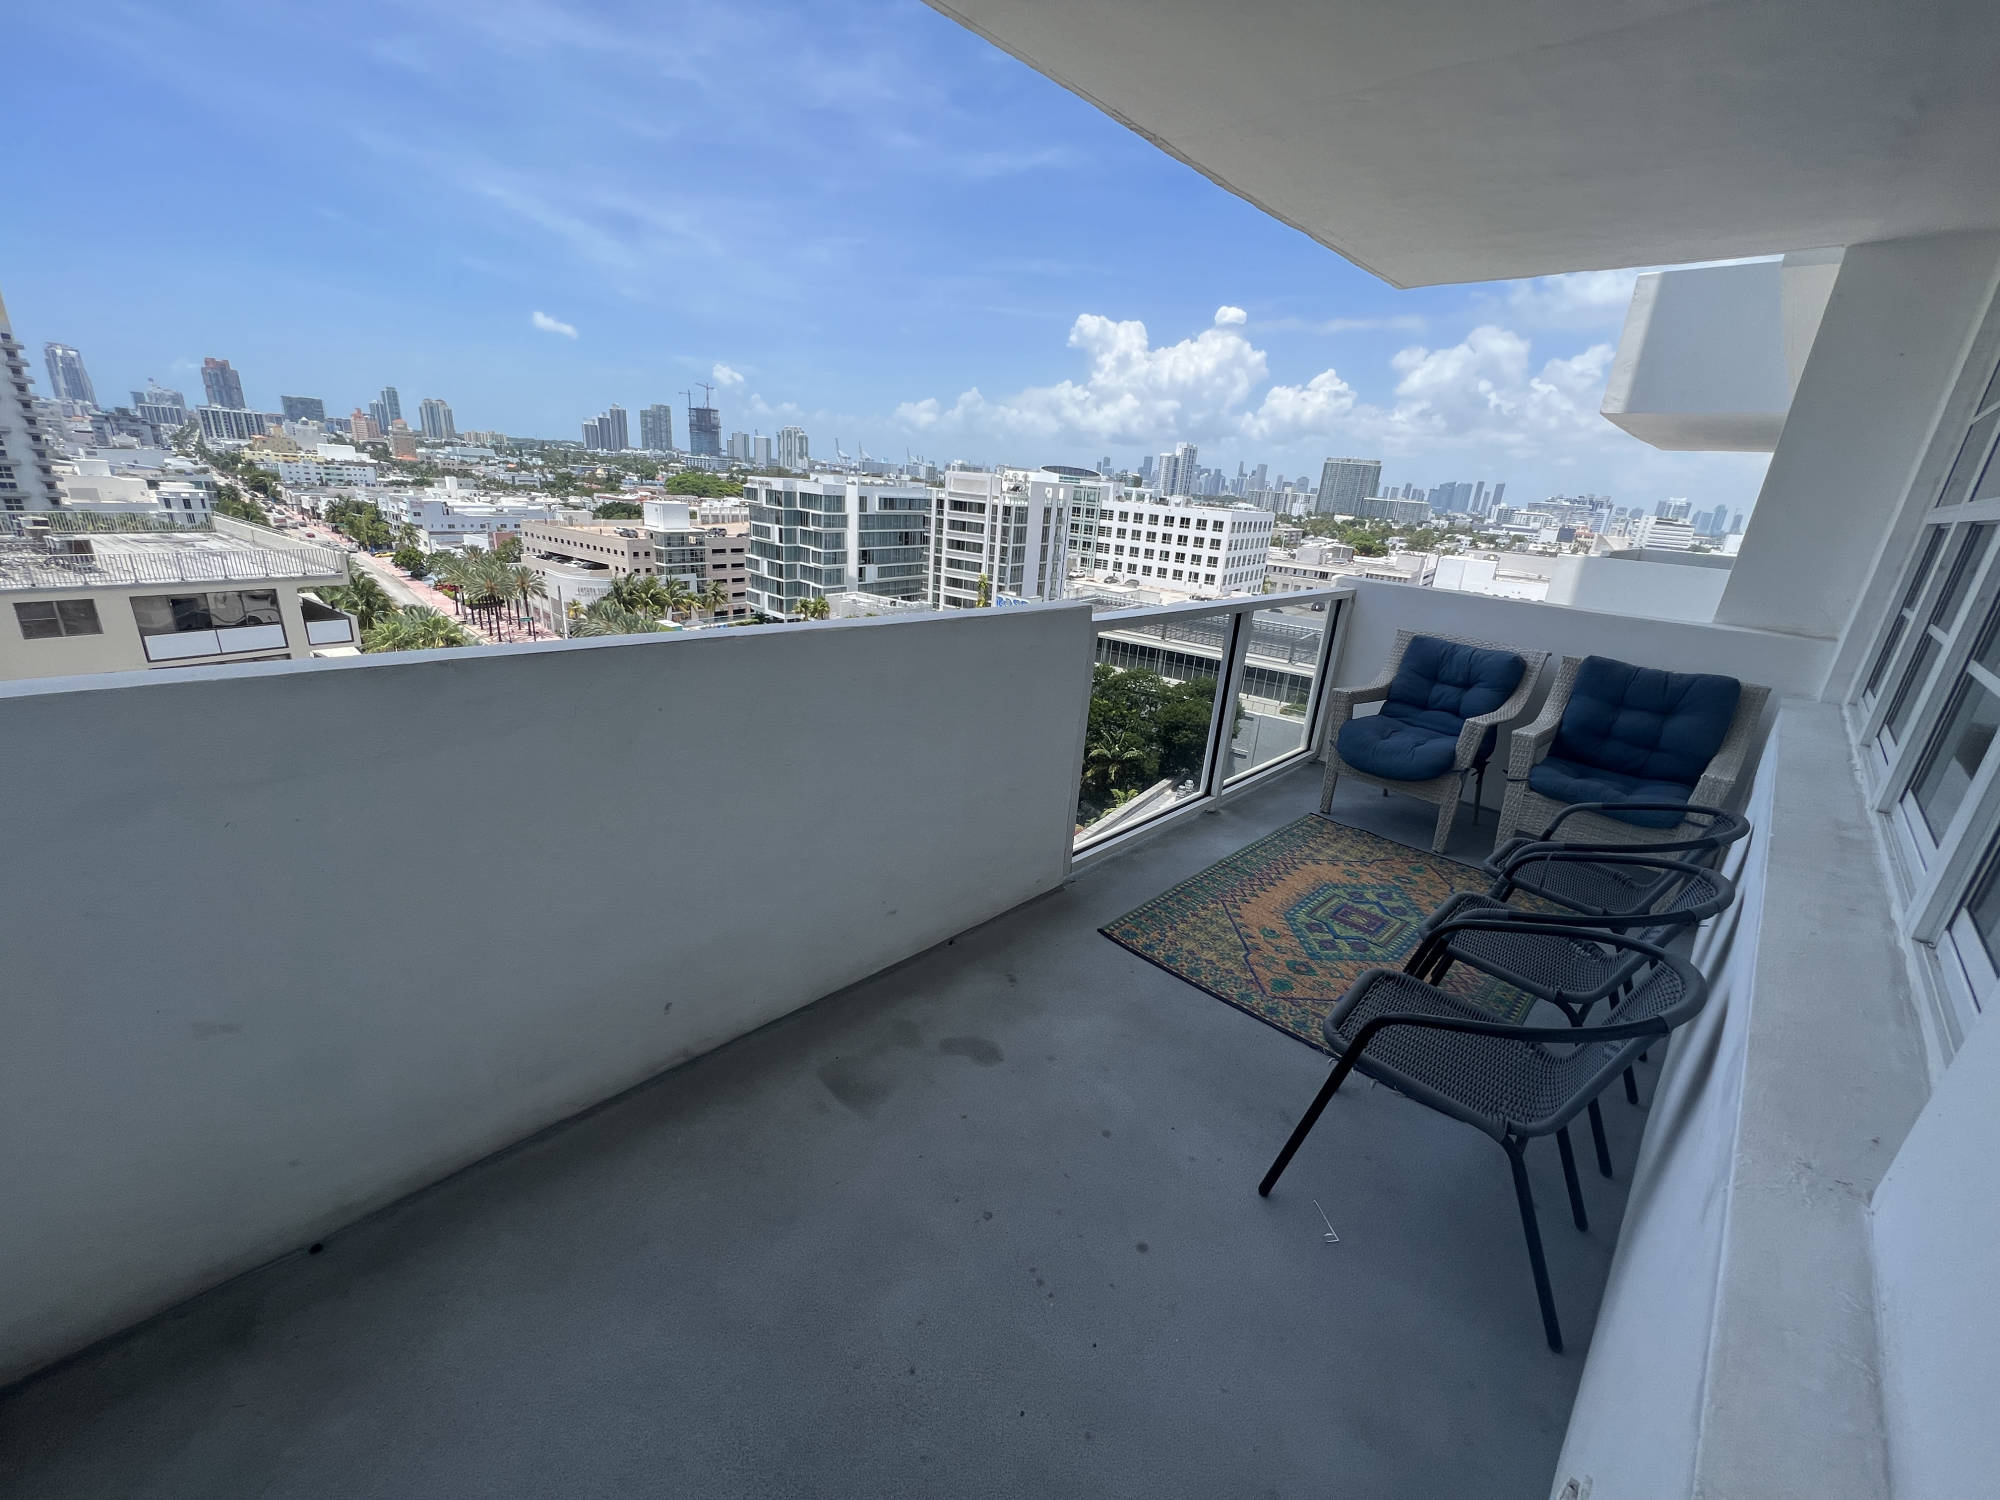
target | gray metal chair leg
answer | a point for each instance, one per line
(1569, 1180)
(1536, 1261)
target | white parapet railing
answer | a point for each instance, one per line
(1192, 703)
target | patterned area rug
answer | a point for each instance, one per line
(1282, 927)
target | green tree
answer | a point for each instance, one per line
(619, 510)
(231, 502)
(700, 482)
(712, 597)
(361, 596)
(642, 593)
(415, 627)
(507, 549)
(985, 591)
(528, 587)
(411, 560)
(606, 618)
(813, 607)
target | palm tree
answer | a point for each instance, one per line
(679, 597)
(415, 627)
(1109, 758)
(813, 607)
(606, 617)
(712, 597)
(642, 594)
(528, 586)
(362, 597)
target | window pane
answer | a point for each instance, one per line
(1923, 572)
(1907, 690)
(38, 620)
(1970, 454)
(1989, 479)
(1888, 650)
(1152, 708)
(1954, 755)
(1964, 563)
(1984, 908)
(78, 616)
(1278, 674)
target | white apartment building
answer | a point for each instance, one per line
(84, 597)
(1182, 545)
(27, 469)
(325, 473)
(1004, 532)
(95, 488)
(1663, 533)
(450, 515)
(831, 533)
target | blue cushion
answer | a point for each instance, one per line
(1643, 724)
(1440, 684)
(1395, 750)
(1566, 782)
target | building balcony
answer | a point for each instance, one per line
(609, 1194)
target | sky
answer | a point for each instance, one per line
(854, 215)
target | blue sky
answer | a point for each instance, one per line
(855, 214)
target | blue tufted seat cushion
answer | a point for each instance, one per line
(1437, 687)
(1636, 734)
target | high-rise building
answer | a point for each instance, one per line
(68, 380)
(392, 404)
(1009, 528)
(656, 428)
(363, 427)
(229, 424)
(1498, 490)
(1176, 472)
(1667, 533)
(164, 408)
(222, 385)
(27, 471)
(794, 452)
(303, 408)
(761, 451)
(852, 536)
(739, 446)
(607, 432)
(1672, 510)
(1345, 482)
(705, 431)
(434, 417)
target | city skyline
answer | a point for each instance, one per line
(542, 259)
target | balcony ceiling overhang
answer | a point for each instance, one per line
(1438, 141)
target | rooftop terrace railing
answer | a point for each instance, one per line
(1194, 702)
(26, 565)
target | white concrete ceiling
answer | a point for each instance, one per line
(1469, 140)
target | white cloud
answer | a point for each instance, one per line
(726, 377)
(552, 325)
(1134, 392)
(1227, 316)
(1486, 393)
(1395, 323)
(1576, 299)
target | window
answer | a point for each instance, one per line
(1926, 709)
(50, 619)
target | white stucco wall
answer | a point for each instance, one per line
(1889, 347)
(1701, 361)
(271, 1029)
(1788, 664)
(1936, 1222)
(1629, 586)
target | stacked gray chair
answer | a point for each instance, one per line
(1516, 1083)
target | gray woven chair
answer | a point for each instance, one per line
(1513, 1082)
(1526, 809)
(1662, 900)
(1470, 757)
(1587, 887)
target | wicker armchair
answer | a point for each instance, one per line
(1448, 789)
(1527, 812)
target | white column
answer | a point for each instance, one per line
(1888, 350)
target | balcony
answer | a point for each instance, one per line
(982, 1219)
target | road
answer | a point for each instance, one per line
(400, 587)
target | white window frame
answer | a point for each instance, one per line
(1936, 874)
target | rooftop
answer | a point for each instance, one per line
(983, 1225)
(32, 557)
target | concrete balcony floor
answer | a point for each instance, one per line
(984, 1225)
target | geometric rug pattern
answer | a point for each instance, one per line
(1283, 926)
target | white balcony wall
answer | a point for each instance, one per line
(1791, 665)
(296, 1003)
(1635, 586)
